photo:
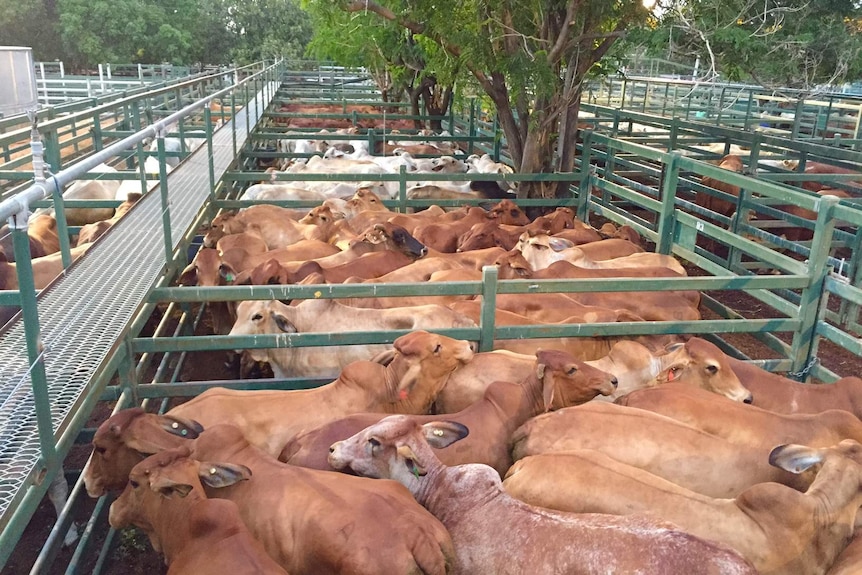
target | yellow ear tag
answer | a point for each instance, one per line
(438, 432)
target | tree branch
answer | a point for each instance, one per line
(557, 51)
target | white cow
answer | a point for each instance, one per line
(274, 317)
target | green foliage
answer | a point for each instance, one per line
(778, 43)
(31, 23)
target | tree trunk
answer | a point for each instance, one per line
(437, 101)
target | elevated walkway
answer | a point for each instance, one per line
(85, 314)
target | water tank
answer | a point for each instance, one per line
(17, 81)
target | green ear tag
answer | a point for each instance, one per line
(229, 277)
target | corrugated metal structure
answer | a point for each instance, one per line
(17, 81)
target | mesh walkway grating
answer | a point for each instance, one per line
(84, 314)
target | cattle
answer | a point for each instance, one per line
(97, 189)
(656, 306)
(488, 234)
(166, 499)
(269, 192)
(409, 383)
(715, 204)
(274, 317)
(663, 446)
(272, 223)
(780, 530)
(443, 237)
(782, 395)
(556, 380)
(45, 269)
(540, 251)
(208, 269)
(469, 498)
(696, 362)
(819, 169)
(744, 425)
(41, 233)
(91, 232)
(308, 521)
(849, 562)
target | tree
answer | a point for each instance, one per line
(31, 23)
(399, 61)
(773, 43)
(530, 57)
(269, 29)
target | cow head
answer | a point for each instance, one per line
(125, 439)
(417, 373)
(395, 238)
(221, 225)
(156, 483)
(208, 268)
(567, 381)
(513, 266)
(704, 365)
(262, 317)
(397, 447)
(507, 212)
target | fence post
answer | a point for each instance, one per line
(585, 188)
(489, 304)
(166, 204)
(35, 347)
(804, 345)
(402, 188)
(667, 218)
(209, 134)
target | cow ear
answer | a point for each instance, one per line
(227, 272)
(671, 347)
(558, 244)
(186, 428)
(189, 276)
(222, 474)
(795, 458)
(441, 434)
(410, 460)
(283, 323)
(548, 387)
(167, 487)
(384, 358)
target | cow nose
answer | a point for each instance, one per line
(332, 448)
(749, 400)
(423, 251)
(614, 381)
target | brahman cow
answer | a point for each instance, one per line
(744, 425)
(494, 533)
(272, 223)
(409, 383)
(165, 498)
(274, 317)
(541, 250)
(782, 395)
(666, 447)
(45, 269)
(556, 380)
(308, 521)
(42, 234)
(780, 530)
(91, 190)
(697, 363)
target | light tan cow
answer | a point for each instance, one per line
(780, 530)
(409, 383)
(697, 362)
(494, 533)
(274, 317)
(668, 448)
(542, 250)
(745, 425)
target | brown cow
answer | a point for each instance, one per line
(557, 380)
(272, 223)
(849, 562)
(719, 205)
(407, 384)
(469, 499)
(45, 269)
(778, 529)
(165, 498)
(308, 521)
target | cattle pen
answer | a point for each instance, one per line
(115, 331)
